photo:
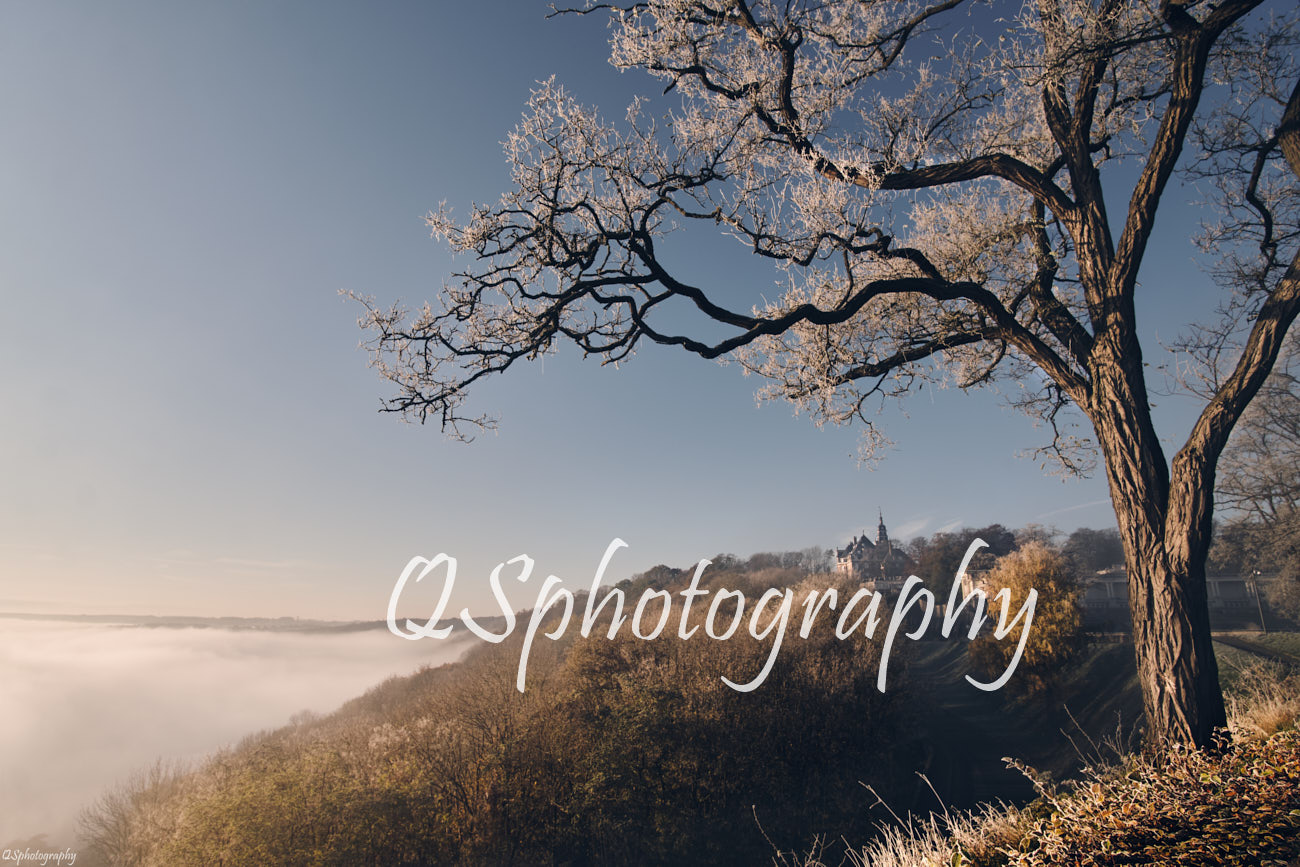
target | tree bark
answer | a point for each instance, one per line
(1288, 130)
(1173, 643)
(1167, 596)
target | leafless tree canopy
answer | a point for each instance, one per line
(924, 211)
(949, 192)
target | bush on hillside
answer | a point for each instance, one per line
(1056, 633)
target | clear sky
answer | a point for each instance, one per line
(188, 426)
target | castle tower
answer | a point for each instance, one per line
(881, 536)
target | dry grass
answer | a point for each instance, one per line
(967, 838)
(1238, 806)
(1264, 700)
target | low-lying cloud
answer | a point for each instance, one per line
(87, 705)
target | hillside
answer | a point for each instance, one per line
(630, 751)
(620, 751)
(966, 733)
(1236, 805)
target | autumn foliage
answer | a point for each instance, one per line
(1056, 636)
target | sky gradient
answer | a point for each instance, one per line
(189, 426)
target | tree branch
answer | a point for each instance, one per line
(1192, 48)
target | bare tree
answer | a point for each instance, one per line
(1259, 475)
(934, 188)
(1259, 487)
(1094, 550)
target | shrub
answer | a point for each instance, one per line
(1056, 635)
(1239, 806)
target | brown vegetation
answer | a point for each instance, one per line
(1239, 805)
(1056, 636)
(622, 751)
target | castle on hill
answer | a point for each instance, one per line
(878, 562)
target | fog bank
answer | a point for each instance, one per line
(86, 705)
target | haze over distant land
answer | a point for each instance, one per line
(265, 624)
(89, 700)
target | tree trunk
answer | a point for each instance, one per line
(1167, 597)
(1175, 657)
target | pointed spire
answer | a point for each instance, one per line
(881, 535)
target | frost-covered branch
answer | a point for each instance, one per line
(931, 217)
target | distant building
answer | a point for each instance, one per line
(879, 562)
(1108, 589)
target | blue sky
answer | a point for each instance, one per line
(189, 426)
